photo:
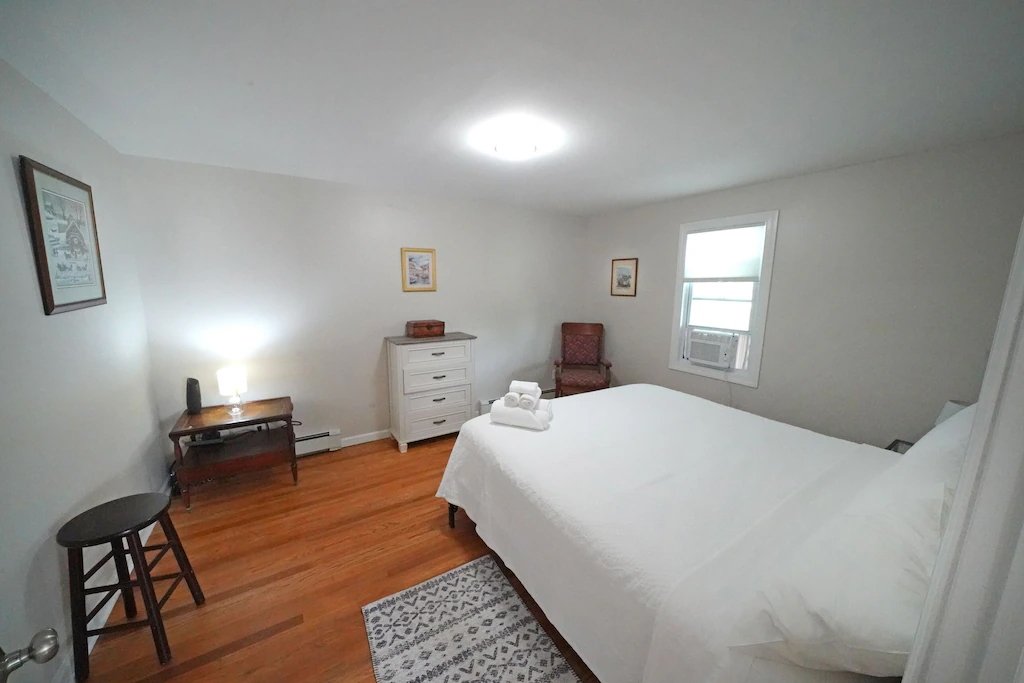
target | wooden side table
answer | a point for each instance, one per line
(267, 445)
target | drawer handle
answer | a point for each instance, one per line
(437, 353)
(440, 422)
(438, 400)
(440, 376)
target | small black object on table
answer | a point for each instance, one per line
(115, 522)
(900, 446)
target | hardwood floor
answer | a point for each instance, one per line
(287, 568)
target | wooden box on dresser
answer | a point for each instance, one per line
(430, 380)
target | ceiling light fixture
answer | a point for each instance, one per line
(516, 137)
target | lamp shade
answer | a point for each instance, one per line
(232, 380)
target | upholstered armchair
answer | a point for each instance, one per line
(581, 367)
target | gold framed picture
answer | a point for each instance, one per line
(419, 270)
(624, 276)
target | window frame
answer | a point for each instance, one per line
(759, 312)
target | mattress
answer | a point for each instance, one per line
(641, 519)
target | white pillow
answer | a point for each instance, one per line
(850, 596)
(939, 454)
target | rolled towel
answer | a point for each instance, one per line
(511, 399)
(531, 388)
(517, 417)
(527, 402)
(544, 406)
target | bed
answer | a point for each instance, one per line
(642, 519)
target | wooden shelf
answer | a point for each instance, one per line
(252, 450)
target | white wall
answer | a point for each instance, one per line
(77, 425)
(308, 274)
(885, 292)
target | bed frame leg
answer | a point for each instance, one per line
(452, 509)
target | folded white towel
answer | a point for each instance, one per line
(531, 388)
(517, 417)
(511, 399)
(527, 402)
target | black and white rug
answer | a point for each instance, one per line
(465, 626)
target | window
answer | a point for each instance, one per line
(723, 276)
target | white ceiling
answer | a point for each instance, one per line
(659, 98)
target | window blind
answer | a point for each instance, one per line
(731, 254)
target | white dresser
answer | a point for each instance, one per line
(430, 380)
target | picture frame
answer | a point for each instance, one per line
(65, 241)
(419, 269)
(624, 272)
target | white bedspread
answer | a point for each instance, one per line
(640, 518)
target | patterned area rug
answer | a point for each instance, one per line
(465, 626)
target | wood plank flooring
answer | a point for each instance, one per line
(287, 568)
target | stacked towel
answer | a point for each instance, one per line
(530, 388)
(518, 417)
(522, 406)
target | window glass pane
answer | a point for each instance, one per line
(727, 315)
(731, 253)
(737, 291)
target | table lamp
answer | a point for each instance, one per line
(231, 381)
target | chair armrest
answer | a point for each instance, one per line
(606, 363)
(558, 363)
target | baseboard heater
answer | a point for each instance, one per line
(322, 441)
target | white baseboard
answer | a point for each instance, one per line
(364, 438)
(65, 673)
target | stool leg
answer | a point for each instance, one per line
(124, 578)
(179, 554)
(79, 626)
(156, 622)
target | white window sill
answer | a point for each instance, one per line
(747, 378)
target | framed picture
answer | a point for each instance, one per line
(419, 270)
(64, 239)
(624, 276)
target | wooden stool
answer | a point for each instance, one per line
(113, 523)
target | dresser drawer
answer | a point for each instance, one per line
(438, 401)
(456, 351)
(435, 425)
(417, 379)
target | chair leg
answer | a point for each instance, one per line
(124, 578)
(156, 623)
(79, 625)
(452, 509)
(179, 554)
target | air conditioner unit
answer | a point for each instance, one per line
(713, 349)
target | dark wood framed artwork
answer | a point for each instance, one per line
(64, 239)
(624, 272)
